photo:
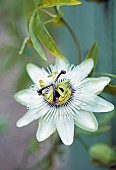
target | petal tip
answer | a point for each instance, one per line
(90, 60)
(22, 122)
(68, 143)
(106, 80)
(94, 127)
(28, 66)
(111, 107)
(20, 97)
(40, 138)
(17, 96)
(89, 63)
(19, 124)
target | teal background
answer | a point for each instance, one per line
(91, 22)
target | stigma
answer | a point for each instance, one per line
(56, 93)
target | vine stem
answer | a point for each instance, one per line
(48, 21)
(105, 74)
(75, 39)
(47, 12)
(25, 42)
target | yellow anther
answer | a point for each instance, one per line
(53, 73)
(49, 93)
(41, 83)
(60, 92)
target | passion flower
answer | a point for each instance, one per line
(63, 96)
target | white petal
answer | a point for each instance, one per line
(94, 85)
(85, 68)
(93, 103)
(26, 96)
(87, 121)
(29, 117)
(66, 130)
(61, 64)
(80, 72)
(37, 73)
(45, 129)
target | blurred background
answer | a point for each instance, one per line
(91, 22)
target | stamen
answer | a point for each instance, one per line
(53, 85)
(62, 72)
(40, 91)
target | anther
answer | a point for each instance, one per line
(62, 72)
(53, 85)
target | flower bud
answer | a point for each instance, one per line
(102, 155)
(58, 21)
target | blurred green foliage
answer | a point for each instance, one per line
(14, 15)
(3, 124)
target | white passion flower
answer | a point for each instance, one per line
(61, 97)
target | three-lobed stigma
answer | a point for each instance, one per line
(56, 93)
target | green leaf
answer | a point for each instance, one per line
(93, 53)
(51, 3)
(3, 124)
(34, 39)
(45, 37)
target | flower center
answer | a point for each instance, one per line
(56, 93)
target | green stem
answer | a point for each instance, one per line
(25, 42)
(75, 39)
(48, 22)
(106, 74)
(47, 12)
